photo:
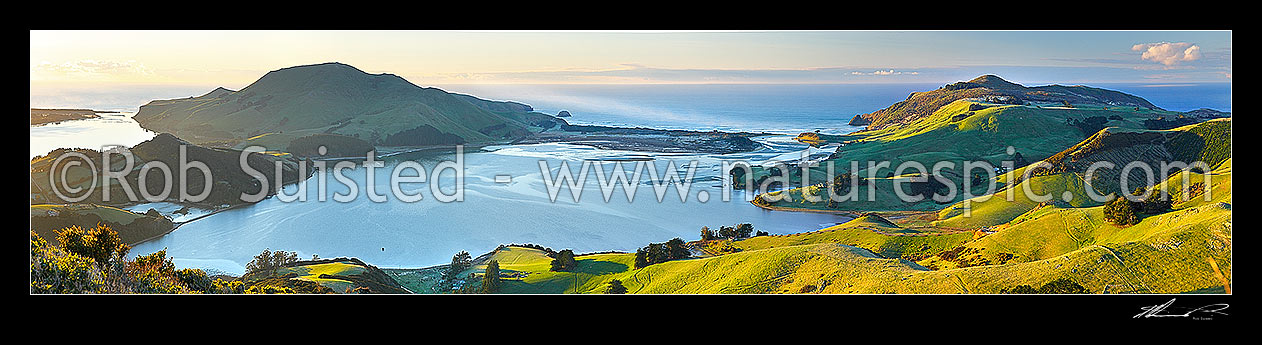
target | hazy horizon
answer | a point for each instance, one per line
(236, 58)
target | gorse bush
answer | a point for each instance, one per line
(269, 290)
(74, 267)
(99, 243)
(155, 273)
(195, 280)
(54, 270)
(220, 286)
(94, 261)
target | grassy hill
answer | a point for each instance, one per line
(1183, 251)
(1209, 142)
(334, 98)
(994, 88)
(132, 228)
(230, 181)
(340, 275)
(970, 130)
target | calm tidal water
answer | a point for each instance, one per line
(428, 232)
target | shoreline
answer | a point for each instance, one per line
(53, 116)
(178, 224)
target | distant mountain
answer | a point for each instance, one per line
(335, 98)
(993, 89)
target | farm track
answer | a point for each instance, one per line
(1133, 281)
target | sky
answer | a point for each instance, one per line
(179, 60)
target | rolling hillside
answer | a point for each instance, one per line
(970, 130)
(1209, 142)
(996, 89)
(997, 246)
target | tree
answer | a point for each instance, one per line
(658, 253)
(761, 233)
(268, 262)
(1121, 212)
(459, 262)
(675, 249)
(491, 279)
(706, 233)
(615, 287)
(727, 232)
(641, 258)
(1019, 161)
(1154, 202)
(564, 261)
(744, 230)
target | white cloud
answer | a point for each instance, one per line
(1167, 53)
(880, 72)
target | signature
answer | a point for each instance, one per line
(1164, 310)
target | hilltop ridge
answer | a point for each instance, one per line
(994, 89)
(336, 98)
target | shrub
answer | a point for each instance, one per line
(195, 280)
(99, 243)
(1020, 289)
(615, 287)
(1058, 286)
(58, 270)
(221, 286)
(54, 270)
(1062, 286)
(269, 290)
(154, 273)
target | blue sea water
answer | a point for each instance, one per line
(789, 109)
(1180, 97)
